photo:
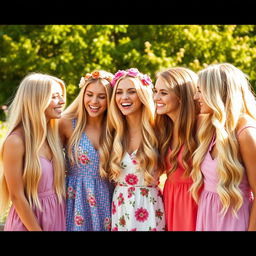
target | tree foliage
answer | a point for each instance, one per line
(70, 51)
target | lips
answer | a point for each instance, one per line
(126, 105)
(159, 105)
(58, 109)
(94, 108)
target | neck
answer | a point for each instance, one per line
(133, 122)
(95, 121)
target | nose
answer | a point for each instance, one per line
(125, 96)
(156, 97)
(62, 100)
(94, 99)
(196, 96)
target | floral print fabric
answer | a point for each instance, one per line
(88, 196)
(136, 207)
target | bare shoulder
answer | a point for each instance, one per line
(65, 123)
(65, 127)
(247, 135)
(14, 142)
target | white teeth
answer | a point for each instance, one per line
(160, 105)
(126, 104)
(92, 107)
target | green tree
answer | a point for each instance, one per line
(70, 51)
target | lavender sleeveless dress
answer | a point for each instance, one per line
(52, 216)
(209, 206)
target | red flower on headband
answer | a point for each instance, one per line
(95, 74)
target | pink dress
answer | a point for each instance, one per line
(180, 207)
(209, 206)
(52, 216)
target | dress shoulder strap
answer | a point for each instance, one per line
(212, 142)
(17, 133)
(243, 128)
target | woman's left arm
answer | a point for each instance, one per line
(247, 142)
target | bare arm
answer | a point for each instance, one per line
(247, 142)
(65, 130)
(13, 169)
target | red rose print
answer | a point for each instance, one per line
(113, 208)
(91, 200)
(131, 179)
(141, 214)
(122, 221)
(120, 199)
(79, 219)
(130, 192)
(144, 192)
(159, 214)
(107, 223)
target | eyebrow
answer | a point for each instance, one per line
(96, 92)
(127, 89)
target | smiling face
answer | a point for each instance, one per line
(54, 110)
(95, 99)
(167, 102)
(204, 108)
(127, 98)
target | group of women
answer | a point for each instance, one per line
(96, 165)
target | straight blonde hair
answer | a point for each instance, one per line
(27, 110)
(78, 111)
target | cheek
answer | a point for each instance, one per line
(86, 100)
(103, 103)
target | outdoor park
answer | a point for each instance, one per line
(71, 51)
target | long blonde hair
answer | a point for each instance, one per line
(183, 83)
(146, 155)
(27, 110)
(78, 111)
(226, 90)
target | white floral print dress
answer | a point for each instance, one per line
(136, 207)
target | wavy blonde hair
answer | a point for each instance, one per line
(78, 111)
(27, 109)
(182, 82)
(226, 90)
(146, 155)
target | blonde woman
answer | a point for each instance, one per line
(83, 132)
(137, 203)
(225, 159)
(176, 129)
(31, 157)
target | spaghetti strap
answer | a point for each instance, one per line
(248, 126)
(212, 143)
(17, 133)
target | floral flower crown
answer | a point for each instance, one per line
(96, 75)
(133, 72)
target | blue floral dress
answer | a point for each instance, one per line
(88, 195)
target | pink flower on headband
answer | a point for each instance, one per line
(117, 75)
(133, 72)
(146, 80)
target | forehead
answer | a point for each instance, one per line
(126, 83)
(96, 87)
(56, 87)
(162, 84)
